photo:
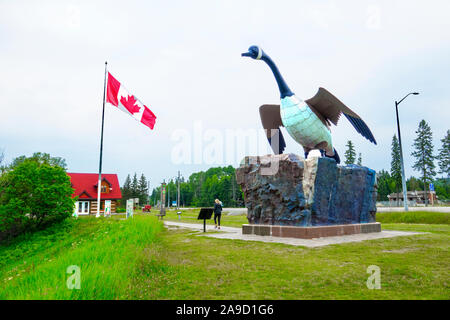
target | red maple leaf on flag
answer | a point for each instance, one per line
(130, 104)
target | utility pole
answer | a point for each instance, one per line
(163, 198)
(232, 185)
(178, 191)
(148, 192)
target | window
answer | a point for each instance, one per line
(104, 189)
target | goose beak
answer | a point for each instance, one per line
(246, 54)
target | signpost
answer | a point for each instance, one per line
(205, 213)
(162, 210)
(130, 204)
(107, 212)
(431, 194)
(75, 212)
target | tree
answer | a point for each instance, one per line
(41, 158)
(2, 157)
(396, 166)
(359, 163)
(126, 191)
(442, 187)
(444, 156)
(350, 154)
(33, 194)
(414, 184)
(143, 189)
(134, 187)
(423, 153)
(384, 185)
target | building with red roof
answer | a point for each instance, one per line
(85, 187)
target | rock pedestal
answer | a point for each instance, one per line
(288, 190)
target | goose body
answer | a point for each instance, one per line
(303, 125)
(307, 121)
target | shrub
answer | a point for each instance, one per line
(33, 195)
(121, 210)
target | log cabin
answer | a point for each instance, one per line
(85, 187)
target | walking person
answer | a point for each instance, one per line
(217, 213)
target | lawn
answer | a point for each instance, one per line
(107, 251)
(138, 259)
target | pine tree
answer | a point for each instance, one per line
(444, 156)
(384, 185)
(135, 187)
(126, 190)
(359, 163)
(396, 165)
(143, 190)
(423, 153)
(350, 154)
(414, 184)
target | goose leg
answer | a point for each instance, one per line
(335, 156)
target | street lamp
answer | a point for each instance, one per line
(405, 198)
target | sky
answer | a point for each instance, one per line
(182, 59)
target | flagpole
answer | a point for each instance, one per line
(99, 186)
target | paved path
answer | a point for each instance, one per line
(236, 233)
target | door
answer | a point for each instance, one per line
(83, 207)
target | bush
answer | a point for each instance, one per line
(120, 210)
(33, 195)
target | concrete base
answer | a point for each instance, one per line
(310, 232)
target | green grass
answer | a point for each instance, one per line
(414, 217)
(138, 259)
(412, 267)
(107, 250)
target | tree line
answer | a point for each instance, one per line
(135, 188)
(202, 188)
(423, 153)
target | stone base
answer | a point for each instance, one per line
(310, 232)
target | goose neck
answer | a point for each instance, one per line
(282, 85)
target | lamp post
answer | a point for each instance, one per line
(405, 198)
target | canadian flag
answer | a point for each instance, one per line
(118, 96)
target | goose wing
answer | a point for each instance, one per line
(331, 108)
(271, 121)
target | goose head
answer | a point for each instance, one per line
(254, 52)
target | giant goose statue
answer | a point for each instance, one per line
(308, 122)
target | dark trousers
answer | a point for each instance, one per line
(217, 217)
